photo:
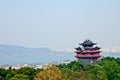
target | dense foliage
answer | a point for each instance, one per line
(107, 69)
(25, 73)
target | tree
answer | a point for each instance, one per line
(52, 73)
(20, 77)
(72, 66)
(27, 71)
(3, 72)
(98, 72)
(111, 68)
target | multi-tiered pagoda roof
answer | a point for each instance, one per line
(88, 43)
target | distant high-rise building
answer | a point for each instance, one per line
(88, 53)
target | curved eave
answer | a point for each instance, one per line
(87, 44)
(78, 52)
(91, 52)
(78, 48)
(97, 48)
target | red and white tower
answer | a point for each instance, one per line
(88, 53)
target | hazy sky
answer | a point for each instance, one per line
(59, 23)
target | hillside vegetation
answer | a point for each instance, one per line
(107, 69)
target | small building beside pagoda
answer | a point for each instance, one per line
(87, 52)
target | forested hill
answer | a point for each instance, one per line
(107, 69)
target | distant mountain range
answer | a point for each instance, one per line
(12, 54)
(19, 50)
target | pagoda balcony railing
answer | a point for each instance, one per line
(88, 55)
(88, 51)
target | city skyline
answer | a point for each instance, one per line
(59, 24)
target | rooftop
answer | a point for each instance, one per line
(88, 42)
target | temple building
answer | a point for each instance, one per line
(87, 52)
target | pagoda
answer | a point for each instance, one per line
(88, 53)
